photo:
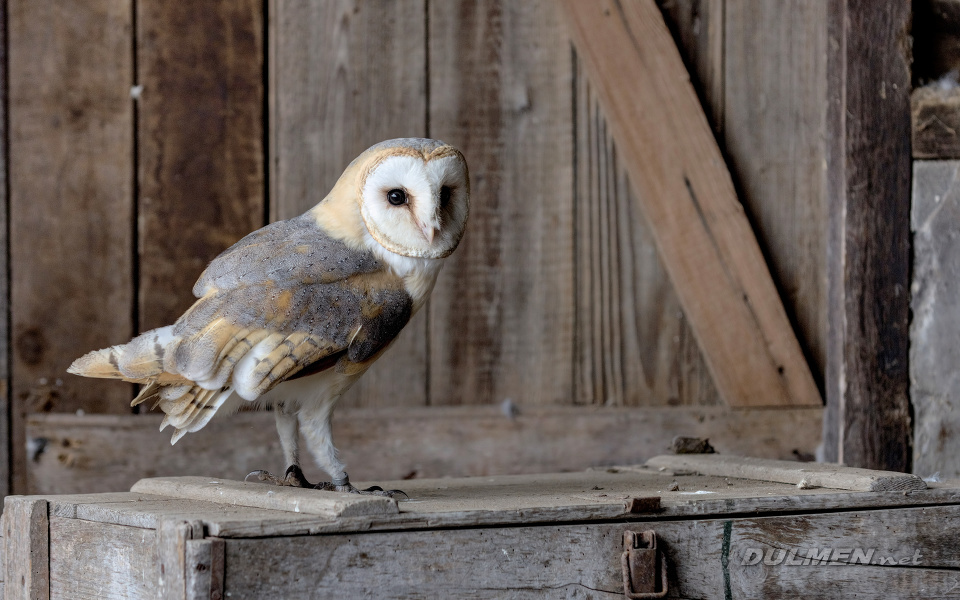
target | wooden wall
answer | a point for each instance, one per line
(148, 135)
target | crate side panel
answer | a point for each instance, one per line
(102, 561)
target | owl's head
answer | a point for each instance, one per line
(414, 196)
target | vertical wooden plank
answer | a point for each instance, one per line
(71, 200)
(345, 75)
(5, 425)
(200, 140)
(687, 195)
(774, 131)
(501, 319)
(173, 537)
(867, 423)
(698, 27)
(634, 345)
(26, 540)
(204, 569)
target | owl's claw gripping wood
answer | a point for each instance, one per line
(294, 478)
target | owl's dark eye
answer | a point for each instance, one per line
(445, 196)
(397, 197)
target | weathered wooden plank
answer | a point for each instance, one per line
(935, 122)
(26, 548)
(205, 569)
(634, 345)
(706, 559)
(109, 453)
(934, 390)
(99, 561)
(687, 195)
(775, 57)
(502, 316)
(315, 502)
(619, 493)
(344, 76)
(698, 27)
(5, 428)
(868, 181)
(200, 143)
(172, 537)
(71, 202)
(811, 475)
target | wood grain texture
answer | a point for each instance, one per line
(71, 202)
(868, 179)
(172, 537)
(344, 76)
(775, 57)
(634, 345)
(688, 198)
(26, 548)
(98, 561)
(699, 29)
(935, 122)
(814, 475)
(109, 453)
(501, 318)
(5, 425)
(706, 559)
(204, 561)
(200, 136)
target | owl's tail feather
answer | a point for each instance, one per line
(140, 360)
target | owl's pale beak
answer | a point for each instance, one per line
(429, 231)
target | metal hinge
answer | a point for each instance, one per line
(639, 561)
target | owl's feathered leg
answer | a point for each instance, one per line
(289, 432)
(315, 423)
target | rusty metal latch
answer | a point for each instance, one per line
(639, 561)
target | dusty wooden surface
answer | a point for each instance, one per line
(935, 303)
(90, 560)
(617, 493)
(868, 178)
(26, 548)
(71, 202)
(704, 238)
(810, 474)
(345, 75)
(277, 498)
(200, 143)
(107, 453)
(935, 122)
(523, 536)
(501, 317)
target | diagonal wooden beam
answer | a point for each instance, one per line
(685, 191)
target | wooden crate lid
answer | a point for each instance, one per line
(665, 488)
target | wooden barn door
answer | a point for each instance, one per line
(564, 333)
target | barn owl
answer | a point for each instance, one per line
(294, 313)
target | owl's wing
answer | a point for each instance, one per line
(285, 300)
(296, 250)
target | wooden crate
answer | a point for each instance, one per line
(725, 528)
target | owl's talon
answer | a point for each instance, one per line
(262, 475)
